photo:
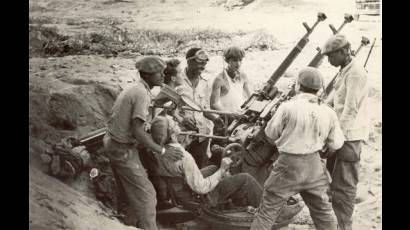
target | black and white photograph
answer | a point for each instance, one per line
(205, 114)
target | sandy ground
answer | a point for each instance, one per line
(92, 80)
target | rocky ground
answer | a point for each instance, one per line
(82, 53)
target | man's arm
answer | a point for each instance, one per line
(213, 103)
(143, 137)
(195, 179)
(350, 108)
(246, 86)
(335, 139)
(276, 125)
(216, 94)
(146, 140)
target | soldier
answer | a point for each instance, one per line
(125, 130)
(230, 88)
(350, 103)
(301, 128)
(193, 85)
(217, 187)
(171, 72)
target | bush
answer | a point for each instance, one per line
(111, 40)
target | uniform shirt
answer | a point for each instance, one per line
(133, 102)
(302, 126)
(235, 97)
(201, 94)
(187, 169)
(350, 101)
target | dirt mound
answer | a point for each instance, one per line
(72, 107)
(54, 205)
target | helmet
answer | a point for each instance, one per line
(150, 64)
(334, 43)
(310, 78)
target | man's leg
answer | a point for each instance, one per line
(149, 162)
(269, 210)
(345, 177)
(260, 172)
(139, 190)
(320, 207)
(122, 202)
(278, 188)
(238, 187)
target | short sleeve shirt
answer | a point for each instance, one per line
(303, 126)
(133, 102)
(201, 94)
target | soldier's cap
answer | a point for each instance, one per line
(334, 43)
(150, 64)
(310, 78)
(233, 52)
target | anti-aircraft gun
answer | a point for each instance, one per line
(253, 154)
(260, 107)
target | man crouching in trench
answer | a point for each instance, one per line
(217, 186)
(125, 130)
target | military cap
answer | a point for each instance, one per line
(150, 64)
(310, 78)
(334, 43)
(234, 52)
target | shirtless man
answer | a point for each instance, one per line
(230, 88)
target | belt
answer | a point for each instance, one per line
(115, 142)
(299, 155)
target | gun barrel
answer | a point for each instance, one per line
(370, 51)
(292, 55)
(317, 59)
(193, 134)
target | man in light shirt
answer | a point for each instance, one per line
(350, 104)
(218, 187)
(301, 128)
(192, 84)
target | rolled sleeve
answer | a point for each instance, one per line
(194, 178)
(140, 105)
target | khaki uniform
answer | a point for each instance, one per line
(120, 148)
(201, 94)
(350, 104)
(299, 129)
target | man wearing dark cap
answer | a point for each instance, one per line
(230, 88)
(349, 101)
(192, 84)
(125, 130)
(301, 128)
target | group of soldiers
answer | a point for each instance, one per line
(305, 130)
